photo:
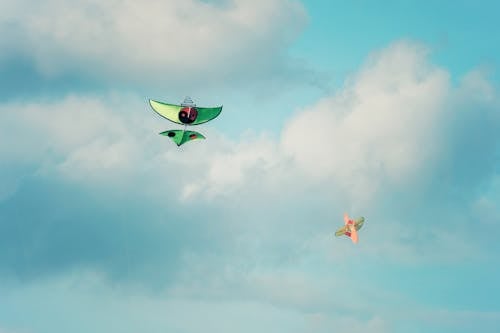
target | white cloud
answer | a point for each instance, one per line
(381, 129)
(61, 125)
(236, 164)
(168, 40)
(84, 139)
(380, 138)
(390, 126)
(395, 124)
(398, 143)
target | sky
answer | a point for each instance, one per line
(389, 111)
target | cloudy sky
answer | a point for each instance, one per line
(388, 111)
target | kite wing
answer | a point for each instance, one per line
(358, 223)
(207, 114)
(346, 218)
(180, 137)
(171, 112)
(168, 111)
(354, 235)
(341, 231)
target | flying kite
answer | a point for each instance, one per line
(187, 114)
(350, 228)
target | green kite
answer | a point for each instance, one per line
(187, 114)
(180, 137)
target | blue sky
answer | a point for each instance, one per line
(390, 112)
